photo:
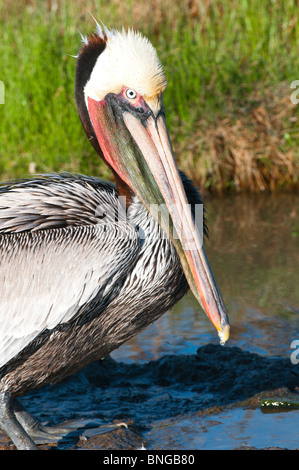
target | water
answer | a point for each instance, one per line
(238, 428)
(253, 249)
(173, 383)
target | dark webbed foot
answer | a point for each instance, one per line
(25, 431)
(38, 433)
(49, 434)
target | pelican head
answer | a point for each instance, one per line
(119, 94)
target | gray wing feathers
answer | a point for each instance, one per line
(54, 201)
(46, 276)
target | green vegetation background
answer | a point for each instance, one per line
(216, 56)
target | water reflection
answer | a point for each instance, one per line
(253, 248)
(234, 428)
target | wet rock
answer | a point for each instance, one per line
(123, 438)
(255, 448)
(172, 385)
(212, 379)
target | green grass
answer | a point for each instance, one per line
(213, 53)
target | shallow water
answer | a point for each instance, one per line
(173, 384)
(237, 428)
(253, 248)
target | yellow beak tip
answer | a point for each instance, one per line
(224, 334)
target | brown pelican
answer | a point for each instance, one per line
(82, 272)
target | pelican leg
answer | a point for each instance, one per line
(50, 434)
(11, 426)
(40, 434)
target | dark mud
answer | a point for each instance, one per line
(200, 385)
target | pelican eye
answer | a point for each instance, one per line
(131, 94)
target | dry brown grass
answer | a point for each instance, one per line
(251, 148)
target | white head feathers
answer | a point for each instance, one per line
(130, 60)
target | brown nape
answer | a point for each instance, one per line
(123, 189)
(86, 60)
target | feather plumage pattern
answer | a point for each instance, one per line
(86, 264)
(68, 274)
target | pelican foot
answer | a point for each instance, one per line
(51, 434)
(25, 431)
(38, 433)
